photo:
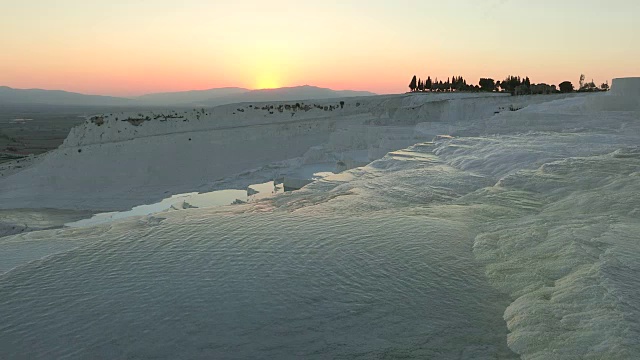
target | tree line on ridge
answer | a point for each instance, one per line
(514, 85)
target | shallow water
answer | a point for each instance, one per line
(302, 286)
(239, 282)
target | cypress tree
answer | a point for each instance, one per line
(413, 84)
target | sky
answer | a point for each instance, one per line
(131, 47)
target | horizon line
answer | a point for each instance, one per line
(181, 91)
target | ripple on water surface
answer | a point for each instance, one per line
(298, 286)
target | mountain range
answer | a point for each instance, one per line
(209, 97)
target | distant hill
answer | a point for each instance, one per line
(10, 96)
(187, 97)
(305, 92)
(210, 97)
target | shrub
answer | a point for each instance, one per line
(566, 87)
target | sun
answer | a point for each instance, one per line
(267, 81)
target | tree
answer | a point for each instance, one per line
(413, 85)
(428, 84)
(459, 84)
(510, 83)
(566, 87)
(581, 81)
(498, 84)
(591, 86)
(487, 84)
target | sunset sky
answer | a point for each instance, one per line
(130, 47)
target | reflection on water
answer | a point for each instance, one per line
(186, 201)
(253, 193)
